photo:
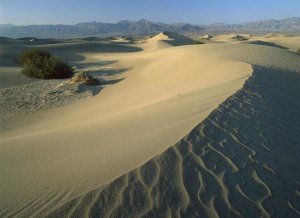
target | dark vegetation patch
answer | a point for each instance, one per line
(41, 64)
(199, 42)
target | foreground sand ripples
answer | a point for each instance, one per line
(242, 161)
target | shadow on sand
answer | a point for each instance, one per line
(258, 42)
(108, 71)
(241, 161)
(94, 64)
(98, 88)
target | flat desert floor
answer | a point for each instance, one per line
(207, 130)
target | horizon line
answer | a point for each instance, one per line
(143, 19)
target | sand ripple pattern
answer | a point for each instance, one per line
(242, 161)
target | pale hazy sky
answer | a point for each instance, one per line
(192, 11)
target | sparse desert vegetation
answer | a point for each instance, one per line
(199, 42)
(84, 78)
(42, 64)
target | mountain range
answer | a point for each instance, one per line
(142, 27)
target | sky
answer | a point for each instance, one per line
(25, 12)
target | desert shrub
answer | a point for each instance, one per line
(30, 53)
(84, 78)
(42, 65)
(199, 42)
(298, 51)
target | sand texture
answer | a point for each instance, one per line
(190, 131)
(233, 164)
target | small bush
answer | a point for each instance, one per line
(42, 65)
(30, 53)
(298, 51)
(84, 78)
(199, 42)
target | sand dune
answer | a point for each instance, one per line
(90, 158)
(275, 40)
(229, 37)
(291, 42)
(90, 143)
(241, 161)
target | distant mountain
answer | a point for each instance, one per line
(289, 24)
(142, 27)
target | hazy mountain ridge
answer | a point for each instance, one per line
(140, 27)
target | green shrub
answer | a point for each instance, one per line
(298, 51)
(30, 53)
(84, 78)
(42, 65)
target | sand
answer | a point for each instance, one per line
(290, 42)
(181, 134)
(18, 101)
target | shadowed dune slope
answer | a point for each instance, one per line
(258, 42)
(241, 161)
(177, 39)
(291, 42)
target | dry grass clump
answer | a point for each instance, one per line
(84, 78)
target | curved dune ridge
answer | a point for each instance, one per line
(239, 161)
(51, 157)
(233, 164)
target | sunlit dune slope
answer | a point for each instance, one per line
(241, 161)
(49, 158)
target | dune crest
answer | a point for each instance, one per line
(90, 143)
(182, 134)
(233, 164)
(241, 161)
